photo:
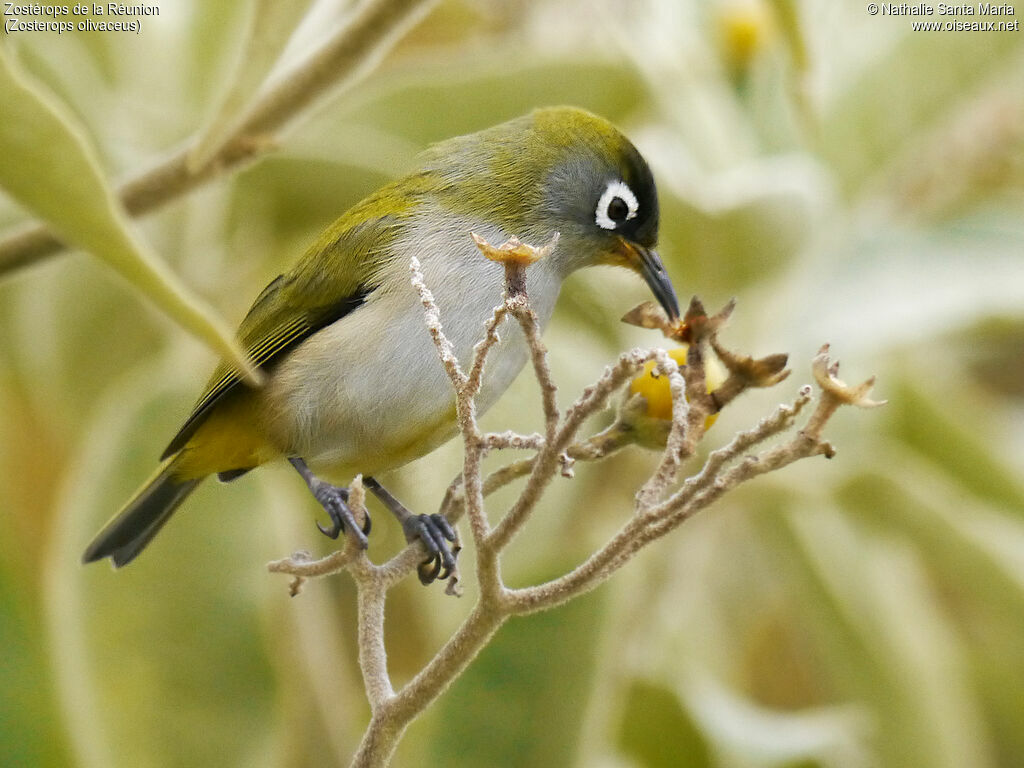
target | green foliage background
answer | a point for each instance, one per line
(847, 179)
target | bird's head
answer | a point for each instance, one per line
(601, 193)
(564, 170)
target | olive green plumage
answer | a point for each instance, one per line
(353, 383)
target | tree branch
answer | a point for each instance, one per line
(373, 29)
(655, 516)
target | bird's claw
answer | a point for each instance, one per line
(433, 531)
(333, 531)
(335, 501)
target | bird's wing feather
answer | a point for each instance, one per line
(332, 279)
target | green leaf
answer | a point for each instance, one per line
(657, 731)
(536, 664)
(30, 734)
(748, 236)
(960, 272)
(47, 165)
(753, 735)
(976, 556)
(162, 662)
(890, 644)
(425, 103)
(954, 445)
(269, 28)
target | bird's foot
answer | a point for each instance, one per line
(334, 500)
(433, 530)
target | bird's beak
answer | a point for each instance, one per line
(648, 264)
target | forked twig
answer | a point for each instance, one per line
(663, 503)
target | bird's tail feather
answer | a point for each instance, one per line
(131, 529)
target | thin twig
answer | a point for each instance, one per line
(515, 440)
(656, 516)
(781, 420)
(370, 33)
(592, 400)
(665, 474)
(655, 522)
(432, 318)
(539, 357)
(483, 348)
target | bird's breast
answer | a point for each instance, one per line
(368, 392)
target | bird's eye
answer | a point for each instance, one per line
(616, 205)
(618, 210)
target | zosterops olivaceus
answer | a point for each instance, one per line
(353, 383)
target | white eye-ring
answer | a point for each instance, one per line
(617, 204)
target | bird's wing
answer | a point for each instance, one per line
(332, 279)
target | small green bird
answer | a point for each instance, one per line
(353, 384)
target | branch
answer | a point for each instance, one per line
(374, 28)
(654, 523)
(545, 465)
(663, 503)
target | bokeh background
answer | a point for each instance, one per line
(847, 179)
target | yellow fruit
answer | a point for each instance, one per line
(656, 392)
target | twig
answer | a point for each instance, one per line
(653, 523)
(659, 511)
(372, 31)
(545, 466)
(677, 437)
(538, 356)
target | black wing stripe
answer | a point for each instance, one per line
(259, 354)
(272, 346)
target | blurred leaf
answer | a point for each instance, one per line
(727, 246)
(427, 103)
(293, 200)
(30, 732)
(31, 451)
(321, 691)
(787, 16)
(657, 731)
(994, 350)
(977, 557)
(955, 538)
(540, 663)
(743, 733)
(57, 316)
(47, 165)
(906, 90)
(982, 146)
(724, 231)
(889, 642)
(162, 662)
(270, 25)
(953, 439)
(214, 33)
(884, 286)
(781, 669)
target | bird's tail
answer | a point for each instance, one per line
(141, 518)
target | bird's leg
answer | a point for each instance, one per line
(432, 530)
(334, 500)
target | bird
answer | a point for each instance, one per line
(352, 382)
